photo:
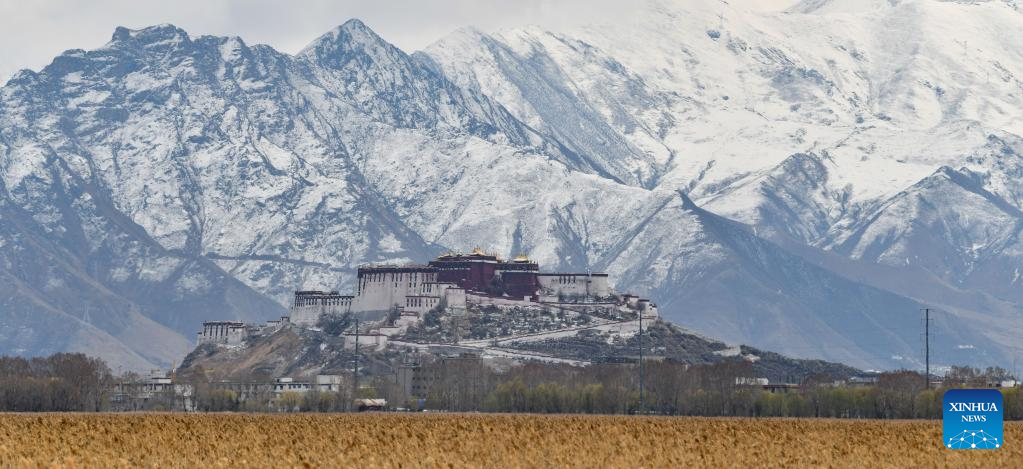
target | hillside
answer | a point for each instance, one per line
(506, 334)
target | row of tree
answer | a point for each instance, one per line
(671, 388)
(75, 382)
(220, 400)
(60, 382)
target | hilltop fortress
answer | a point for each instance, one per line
(452, 281)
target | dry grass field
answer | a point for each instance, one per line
(458, 440)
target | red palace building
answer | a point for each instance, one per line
(450, 278)
(477, 270)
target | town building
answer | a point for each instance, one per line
(156, 391)
(283, 385)
(321, 383)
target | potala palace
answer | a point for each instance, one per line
(453, 281)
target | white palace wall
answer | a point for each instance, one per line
(309, 314)
(222, 332)
(574, 284)
(384, 288)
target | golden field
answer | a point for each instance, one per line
(473, 440)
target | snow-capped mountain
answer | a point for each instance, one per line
(801, 180)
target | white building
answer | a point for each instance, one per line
(588, 285)
(329, 383)
(420, 304)
(381, 288)
(222, 332)
(283, 385)
(322, 383)
(156, 391)
(311, 304)
(367, 340)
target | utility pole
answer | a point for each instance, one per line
(355, 372)
(927, 348)
(641, 360)
(455, 323)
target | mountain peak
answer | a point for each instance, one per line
(468, 32)
(22, 76)
(463, 38)
(354, 24)
(161, 34)
(350, 36)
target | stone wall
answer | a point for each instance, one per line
(594, 285)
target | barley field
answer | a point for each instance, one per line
(472, 440)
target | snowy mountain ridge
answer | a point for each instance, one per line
(801, 180)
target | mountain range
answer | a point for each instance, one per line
(804, 181)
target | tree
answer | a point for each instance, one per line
(334, 323)
(60, 382)
(897, 392)
(393, 315)
(964, 376)
(220, 400)
(432, 318)
(318, 401)
(289, 401)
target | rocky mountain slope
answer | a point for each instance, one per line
(299, 352)
(801, 180)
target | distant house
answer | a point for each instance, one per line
(862, 381)
(157, 391)
(322, 383)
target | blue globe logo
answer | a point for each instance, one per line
(973, 439)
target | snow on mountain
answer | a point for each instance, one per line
(949, 225)
(588, 101)
(830, 7)
(804, 123)
(800, 178)
(795, 82)
(715, 275)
